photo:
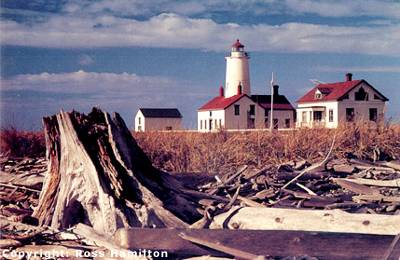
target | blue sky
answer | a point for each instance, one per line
(125, 54)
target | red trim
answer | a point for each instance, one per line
(238, 44)
(221, 102)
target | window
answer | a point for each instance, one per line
(168, 128)
(201, 124)
(287, 122)
(266, 111)
(252, 110)
(317, 115)
(210, 113)
(276, 123)
(139, 128)
(318, 95)
(304, 116)
(237, 110)
(311, 118)
(210, 124)
(139, 120)
(330, 115)
(361, 95)
(215, 123)
(373, 114)
(349, 114)
(220, 123)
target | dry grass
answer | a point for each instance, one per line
(223, 151)
(15, 143)
(220, 152)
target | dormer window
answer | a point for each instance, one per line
(318, 94)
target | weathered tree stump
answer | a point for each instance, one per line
(98, 175)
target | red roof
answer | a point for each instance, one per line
(221, 102)
(237, 44)
(330, 91)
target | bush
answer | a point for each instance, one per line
(14, 143)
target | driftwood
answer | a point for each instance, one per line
(276, 243)
(307, 220)
(382, 183)
(314, 167)
(99, 176)
(237, 253)
(376, 197)
(356, 187)
(91, 237)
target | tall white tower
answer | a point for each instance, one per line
(237, 71)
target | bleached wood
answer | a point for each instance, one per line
(381, 183)
(307, 220)
(99, 176)
(274, 243)
(92, 237)
(356, 187)
(377, 197)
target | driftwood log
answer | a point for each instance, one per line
(98, 175)
(275, 243)
(307, 220)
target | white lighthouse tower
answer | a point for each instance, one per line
(237, 71)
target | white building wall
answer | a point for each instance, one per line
(210, 120)
(153, 123)
(281, 116)
(233, 121)
(237, 72)
(260, 117)
(361, 108)
(226, 119)
(315, 106)
(139, 122)
(263, 121)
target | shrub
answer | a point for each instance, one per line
(14, 143)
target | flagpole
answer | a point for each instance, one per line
(272, 104)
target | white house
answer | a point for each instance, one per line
(236, 108)
(326, 105)
(152, 119)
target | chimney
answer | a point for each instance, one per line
(239, 90)
(221, 91)
(349, 77)
(276, 90)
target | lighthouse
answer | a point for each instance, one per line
(237, 71)
(236, 108)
